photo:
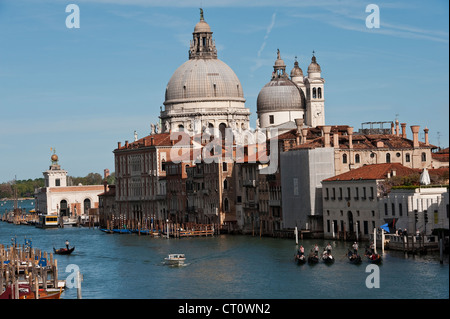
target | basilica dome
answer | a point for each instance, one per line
(204, 91)
(280, 94)
(203, 80)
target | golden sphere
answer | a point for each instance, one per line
(54, 157)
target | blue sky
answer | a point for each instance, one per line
(81, 91)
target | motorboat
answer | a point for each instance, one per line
(175, 259)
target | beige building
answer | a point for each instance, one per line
(56, 198)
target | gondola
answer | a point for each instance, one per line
(354, 258)
(328, 258)
(313, 259)
(300, 259)
(63, 251)
(372, 257)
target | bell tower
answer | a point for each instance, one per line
(315, 97)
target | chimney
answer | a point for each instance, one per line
(299, 123)
(415, 131)
(326, 131)
(304, 134)
(152, 141)
(119, 144)
(126, 144)
(350, 136)
(403, 130)
(392, 128)
(426, 136)
(336, 140)
(105, 173)
(397, 130)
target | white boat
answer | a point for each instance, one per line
(175, 259)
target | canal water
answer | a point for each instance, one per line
(225, 267)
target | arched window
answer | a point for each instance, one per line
(87, 206)
(314, 94)
(225, 205)
(225, 184)
(344, 158)
(388, 157)
(180, 128)
(319, 93)
(357, 158)
(424, 157)
(407, 158)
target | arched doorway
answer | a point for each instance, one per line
(63, 208)
(87, 206)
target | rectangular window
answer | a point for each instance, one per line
(271, 119)
(57, 182)
(366, 227)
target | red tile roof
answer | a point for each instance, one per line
(373, 172)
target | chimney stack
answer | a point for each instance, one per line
(304, 134)
(336, 140)
(415, 131)
(426, 136)
(299, 123)
(350, 137)
(392, 128)
(397, 129)
(119, 144)
(403, 130)
(326, 131)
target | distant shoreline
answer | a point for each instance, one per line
(11, 199)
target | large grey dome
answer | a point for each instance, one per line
(280, 94)
(203, 80)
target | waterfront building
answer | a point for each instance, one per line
(418, 209)
(351, 200)
(59, 198)
(141, 170)
(341, 152)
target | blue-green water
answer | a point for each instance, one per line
(226, 266)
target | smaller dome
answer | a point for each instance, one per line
(314, 67)
(280, 94)
(202, 26)
(296, 71)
